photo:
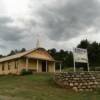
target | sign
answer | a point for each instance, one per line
(80, 55)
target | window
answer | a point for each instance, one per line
(3, 67)
(16, 64)
(8, 66)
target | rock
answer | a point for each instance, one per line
(77, 81)
(75, 89)
(76, 84)
(80, 90)
(71, 84)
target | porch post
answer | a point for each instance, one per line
(26, 64)
(60, 67)
(37, 65)
(46, 66)
(54, 67)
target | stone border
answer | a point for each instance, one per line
(77, 81)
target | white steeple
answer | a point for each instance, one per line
(38, 45)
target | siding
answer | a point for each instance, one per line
(50, 66)
(11, 69)
(21, 64)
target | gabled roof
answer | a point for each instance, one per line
(25, 54)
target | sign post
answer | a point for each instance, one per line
(80, 56)
(74, 66)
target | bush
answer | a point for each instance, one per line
(26, 72)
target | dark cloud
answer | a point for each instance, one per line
(70, 19)
(9, 33)
(60, 21)
(5, 20)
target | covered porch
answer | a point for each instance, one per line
(39, 65)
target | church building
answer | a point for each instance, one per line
(37, 60)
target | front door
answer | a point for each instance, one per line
(43, 66)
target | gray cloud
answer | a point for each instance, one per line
(2, 46)
(11, 36)
(9, 33)
(59, 22)
(5, 20)
(63, 21)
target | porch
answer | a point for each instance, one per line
(41, 65)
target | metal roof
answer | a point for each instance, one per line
(24, 54)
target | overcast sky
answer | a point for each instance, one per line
(58, 24)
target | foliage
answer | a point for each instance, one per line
(67, 57)
(93, 52)
(1, 56)
(84, 44)
(13, 52)
(25, 72)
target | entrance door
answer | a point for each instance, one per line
(43, 66)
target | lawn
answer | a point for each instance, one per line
(39, 87)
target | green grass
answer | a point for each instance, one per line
(39, 87)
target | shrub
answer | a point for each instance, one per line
(26, 72)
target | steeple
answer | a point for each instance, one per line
(38, 45)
